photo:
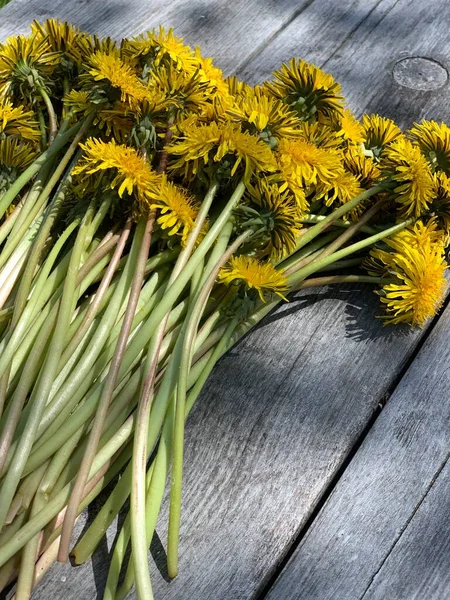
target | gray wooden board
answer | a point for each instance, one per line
(419, 565)
(283, 409)
(378, 505)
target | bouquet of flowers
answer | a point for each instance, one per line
(151, 213)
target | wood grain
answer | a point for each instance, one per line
(283, 410)
(379, 493)
(419, 564)
(228, 31)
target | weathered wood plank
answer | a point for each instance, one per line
(419, 565)
(381, 489)
(283, 410)
(228, 32)
(379, 51)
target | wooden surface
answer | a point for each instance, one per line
(274, 432)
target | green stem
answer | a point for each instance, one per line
(53, 123)
(142, 241)
(43, 386)
(32, 170)
(187, 342)
(336, 214)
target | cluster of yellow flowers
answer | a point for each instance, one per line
(151, 212)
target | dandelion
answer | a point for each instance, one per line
(132, 174)
(265, 115)
(417, 266)
(277, 218)
(305, 164)
(307, 89)
(177, 210)
(158, 47)
(18, 122)
(351, 129)
(343, 188)
(408, 168)
(214, 142)
(111, 69)
(26, 62)
(255, 275)
(434, 141)
(363, 167)
(379, 132)
(179, 91)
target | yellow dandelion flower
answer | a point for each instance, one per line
(307, 89)
(110, 68)
(408, 168)
(211, 74)
(434, 141)
(350, 128)
(343, 188)
(320, 135)
(265, 115)
(255, 275)
(177, 210)
(65, 39)
(277, 217)
(306, 164)
(213, 142)
(361, 166)
(18, 122)
(157, 47)
(181, 91)
(15, 156)
(440, 206)
(25, 61)
(417, 263)
(132, 173)
(379, 132)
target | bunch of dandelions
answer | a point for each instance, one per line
(151, 213)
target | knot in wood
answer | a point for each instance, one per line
(419, 73)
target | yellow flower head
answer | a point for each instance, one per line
(320, 135)
(305, 164)
(277, 217)
(417, 264)
(408, 168)
(265, 115)
(343, 188)
(110, 69)
(201, 145)
(211, 75)
(24, 62)
(351, 129)
(260, 276)
(440, 206)
(362, 167)
(176, 89)
(18, 122)
(379, 132)
(177, 210)
(63, 38)
(157, 47)
(15, 154)
(434, 141)
(307, 89)
(132, 173)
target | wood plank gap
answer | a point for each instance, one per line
(357, 26)
(406, 525)
(272, 576)
(274, 36)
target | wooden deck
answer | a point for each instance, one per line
(317, 458)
